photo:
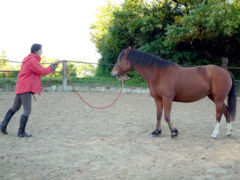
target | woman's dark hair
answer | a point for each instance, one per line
(35, 48)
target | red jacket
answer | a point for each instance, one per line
(29, 77)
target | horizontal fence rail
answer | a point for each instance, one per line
(64, 76)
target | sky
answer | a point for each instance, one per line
(61, 26)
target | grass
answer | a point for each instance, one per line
(98, 81)
(85, 81)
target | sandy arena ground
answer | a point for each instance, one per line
(72, 141)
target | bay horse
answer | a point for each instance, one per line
(168, 82)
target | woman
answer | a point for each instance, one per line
(28, 83)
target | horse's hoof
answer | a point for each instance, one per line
(156, 133)
(229, 135)
(174, 133)
(213, 136)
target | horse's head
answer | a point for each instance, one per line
(123, 65)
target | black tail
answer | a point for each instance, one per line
(232, 99)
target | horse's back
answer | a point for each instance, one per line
(218, 77)
(210, 73)
(194, 83)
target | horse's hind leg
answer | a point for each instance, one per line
(167, 104)
(228, 121)
(227, 116)
(219, 111)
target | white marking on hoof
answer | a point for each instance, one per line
(215, 131)
(229, 129)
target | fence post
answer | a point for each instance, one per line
(225, 63)
(64, 79)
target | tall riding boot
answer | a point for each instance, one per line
(21, 130)
(3, 126)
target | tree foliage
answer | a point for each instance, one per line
(85, 70)
(185, 31)
(6, 66)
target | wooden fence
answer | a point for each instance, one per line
(64, 76)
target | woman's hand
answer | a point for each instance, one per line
(57, 62)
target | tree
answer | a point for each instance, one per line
(189, 32)
(85, 70)
(134, 23)
(211, 30)
(6, 66)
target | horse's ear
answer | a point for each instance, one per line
(127, 50)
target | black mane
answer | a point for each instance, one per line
(136, 57)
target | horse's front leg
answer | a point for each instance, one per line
(159, 107)
(167, 103)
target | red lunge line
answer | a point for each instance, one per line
(48, 81)
(45, 85)
(95, 107)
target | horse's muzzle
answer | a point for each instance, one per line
(115, 74)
